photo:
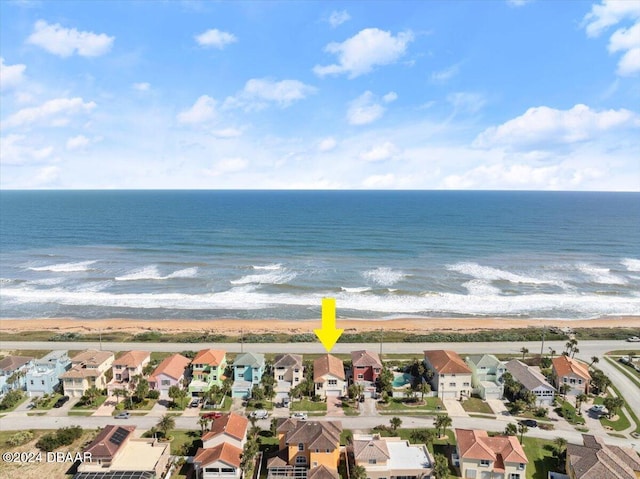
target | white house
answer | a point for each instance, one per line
(533, 381)
(451, 375)
(329, 377)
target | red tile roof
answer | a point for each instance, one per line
(225, 452)
(132, 358)
(327, 364)
(109, 441)
(231, 424)
(476, 444)
(173, 366)
(365, 358)
(564, 366)
(447, 362)
(212, 357)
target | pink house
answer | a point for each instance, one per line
(169, 372)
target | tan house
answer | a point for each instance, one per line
(170, 372)
(288, 372)
(572, 373)
(87, 370)
(452, 378)
(307, 449)
(596, 460)
(482, 457)
(127, 366)
(391, 457)
(221, 461)
(230, 428)
(329, 377)
(115, 452)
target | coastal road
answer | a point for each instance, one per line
(587, 348)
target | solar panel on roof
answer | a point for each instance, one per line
(119, 436)
(115, 475)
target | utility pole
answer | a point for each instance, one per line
(100, 338)
(242, 340)
(381, 335)
(544, 330)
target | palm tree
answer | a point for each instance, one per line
(580, 398)
(613, 405)
(559, 446)
(552, 352)
(203, 422)
(166, 424)
(570, 345)
(395, 422)
(424, 388)
(92, 394)
(511, 429)
(524, 351)
(594, 360)
(358, 472)
(440, 467)
(522, 429)
(574, 351)
(442, 421)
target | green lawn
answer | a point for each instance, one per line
(185, 441)
(262, 404)
(350, 408)
(24, 398)
(226, 405)
(307, 405)
(568, 411)
(541, 459)
(477, 405)
(401, 405)
(80, 413)
(96, 404)
(47, 402)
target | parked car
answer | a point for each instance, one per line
(122, 415)
(634, 339)
(212, 415)
(597, 408)
(60, 402)
(195, 402)
(624, 360)
(259, 414)
(299, 415)
(529, 422)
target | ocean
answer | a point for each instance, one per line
(275, 254)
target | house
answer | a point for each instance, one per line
(115, 454)
(451, 375)
(596, 460)
(288, 372)
(247, 372)
(207, 370)
(532, 380)
(570, 372)
(44, 376)
(329, 377)
(127, 366)
(480, 456)
(308, 449)
(366, 368)
(221, 461)
(170, 372)
(486, 375)
(88, 369)
(391, 457)
(13, 370)
(230, 428)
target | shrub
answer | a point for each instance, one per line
(47, 443)
(540, 412)
(153, 394)
(20, 438)
(67, 435)
(11, 399)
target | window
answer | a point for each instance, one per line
(332, 382)
(579, 381)
(211, 469)
(296, 370)
(31, 382)
(465, 384)
(227, 470)
(301, 460)
(300, 446)
(514, 476)
(484, 462)
(452, 385)
(295, 380)
(521, 466)
(372, 461)
(360, 376)
(165, 382)
(327, 451)
(280, 378)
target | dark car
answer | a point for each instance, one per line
(529, 422)
(60, 402)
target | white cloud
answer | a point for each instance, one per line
(381, 152)
(226, 133)
(11, 75)
(78, 142)
(364, 110)
(65, 42)
(547, 127)
(227, 165)
(327, 144)
(258, 93)
(46, 176)
(390, 97)
(625, 39)
(144, 86)
(443, 76)
(338, 18)
(14, 152)
(215, 38)
(203, 109)
(367, 49)
(467, 102)
(518, 3)
(379, 181)
(57, 112)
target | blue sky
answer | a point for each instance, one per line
(320, 95)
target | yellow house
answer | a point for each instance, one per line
(87, 370)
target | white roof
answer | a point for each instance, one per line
(405, 456)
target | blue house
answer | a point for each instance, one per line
(45, 374)
(247, 372)
(12, 373)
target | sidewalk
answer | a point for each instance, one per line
(454, 408)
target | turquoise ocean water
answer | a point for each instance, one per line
(265, 254)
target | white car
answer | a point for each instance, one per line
(597, 408)
(300, 415)
(259, 414)
(633, 339)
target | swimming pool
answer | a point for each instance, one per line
(401, 379)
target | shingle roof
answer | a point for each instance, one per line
(446, 362)
(91, 357)
(316, 435)
(212, 357)
(564, 365)
(327, 364)
(476, 444)
(11, 363)
(529, 378)
(596, 460)
(365, 358)
(230, 424)
(370, 449)
(132, 358)
(172, 366)
(483, 360)
(78, 371)
(225, 452)
(287, 360)
(254, 360)
(322, 472)
(109, 441)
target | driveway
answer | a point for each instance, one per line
(454, 408)
(334, 406)
(498, 407)
(368, 407)
(64, 410)
(107, 407)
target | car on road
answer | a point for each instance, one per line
(195, 402)
(122, 415)
(633, 339)
(259, 414)
(60, 402)
(299, 415)
(598, 408)
(212, 415)
(529, 422)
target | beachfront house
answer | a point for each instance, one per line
(451, 377)
(308, 449)
(170, 372)
(329, 377)
(13, 370)
(221, 461)
(572, 373)
(366, 368)
(596, 460)
(480, 456)
(288, 372)
(390, 457)
(126, 367)
(486, 375)
(248, 369)
(532, 380)
(207, 370)
(88, 369)
(44, 376)
(230, 429)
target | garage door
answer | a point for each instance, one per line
(448, 395)
(334, 393)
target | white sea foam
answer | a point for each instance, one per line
(6, 281)
(268, 267)
(600, 275)
(47, 281)
(384, 276)
(274, 277)
(183, 273)
(152, 273)
(489, 273)
(632, 264)
(65, 267)
(355, 290)
(479, 287)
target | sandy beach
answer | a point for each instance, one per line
(234, 326)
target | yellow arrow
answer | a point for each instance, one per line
(328, 334)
